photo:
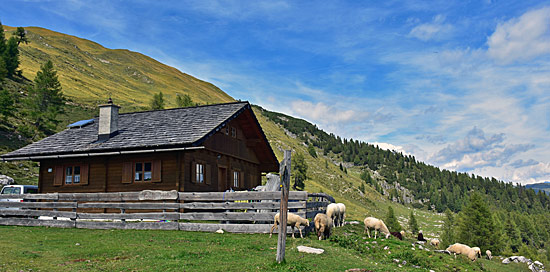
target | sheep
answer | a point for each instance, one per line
(435, 242)
(341, 214)
(293, 220)
(333, 211)
(377, 225)
(489, 254)
(323, 225)
(397, 235)
(463, 249)
(478, 251)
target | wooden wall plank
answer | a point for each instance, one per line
(127, 225)
(37, 222)
(240, 205)
(220, 196)
(129, 206)
(50, 205)
(113, 216)
(231, 216)
(20, 212)
(235, 228)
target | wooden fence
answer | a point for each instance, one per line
(241, 212)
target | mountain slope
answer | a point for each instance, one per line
(543, 186)
(90, 73)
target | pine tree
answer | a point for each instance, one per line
(448, 236)
(299, 171)
(311, 150)
(45, 100)
(2, 40)
(6, 104)
(391, 221)
(3, 70)
(413, 225)
(477, 227)
(513, 238)
(21, 35)
(157, 103)
(183, 101)
(11, 56)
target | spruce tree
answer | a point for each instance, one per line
(21, 35)
(45, 100)
(11, 56)
(513, 238)
(391, 221)
(157, 103)
(3, 41)
(311, 150)
(413, 225)
(3, 70)
(299, 171)
(183, 101)
(6, 105)
(477, 227)
(448, 236)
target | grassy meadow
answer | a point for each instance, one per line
(54, 249)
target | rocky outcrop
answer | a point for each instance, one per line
(535, 266)
(6, 180)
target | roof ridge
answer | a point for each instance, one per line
(199, 106)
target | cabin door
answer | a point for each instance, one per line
(222, 179)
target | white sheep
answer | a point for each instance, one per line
(333, 212)
(478, 251)
(292, 220)
(341, 214)
(434, 242)
(463, 249)
(489, 254)
(377, 225)
(323, 225)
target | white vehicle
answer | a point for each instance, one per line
(18, 190)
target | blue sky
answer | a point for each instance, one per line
(464, 85)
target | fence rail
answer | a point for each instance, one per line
(241, 212)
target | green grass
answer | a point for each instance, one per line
(53, 249)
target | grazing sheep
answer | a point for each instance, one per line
(463, 249)
(435, 242)
(323, 225)
(421, 237)
(489, 254)
(478, 251)
(397, 235)
(341, 214)
(377, 225)
(292, 220)
(333, 212)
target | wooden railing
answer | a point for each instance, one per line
(244, 212)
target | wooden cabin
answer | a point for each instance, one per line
(204, 148)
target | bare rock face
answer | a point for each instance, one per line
(533, 266)
(6, 180)
(311, 250)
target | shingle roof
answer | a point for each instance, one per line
(139, 130)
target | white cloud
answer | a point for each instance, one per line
(522, 38)
(323, 113)
(435, 30)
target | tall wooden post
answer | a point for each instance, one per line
(284, 171)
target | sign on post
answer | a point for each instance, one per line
(284, 172)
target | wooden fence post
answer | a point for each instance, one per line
(285, 184)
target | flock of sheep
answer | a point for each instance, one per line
(336, 214)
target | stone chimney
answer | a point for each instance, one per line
(108, 120)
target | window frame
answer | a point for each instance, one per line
(200, 168)
(143, 171)
(73, 175)
(236, 179)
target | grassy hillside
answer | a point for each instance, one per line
(90, 73)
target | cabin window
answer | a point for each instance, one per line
(143, 171)
(226, 130)
(199, 168)
(72, 175)
(233, 132)
(236, 176)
